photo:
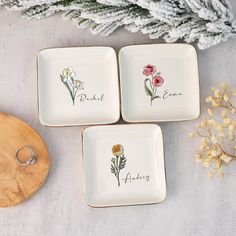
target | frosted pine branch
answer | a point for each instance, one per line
(206, 22)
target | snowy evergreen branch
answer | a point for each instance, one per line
(207, 22)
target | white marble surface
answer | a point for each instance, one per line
(195, 205)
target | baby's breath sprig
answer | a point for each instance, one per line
(217, 134)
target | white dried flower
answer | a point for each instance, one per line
(218, 136)
(217, 93)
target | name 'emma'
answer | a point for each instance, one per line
(166, 94)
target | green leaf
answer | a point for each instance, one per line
(147, 89)
(113, 170)
(67, 86)
(155, 97)
(122, 162)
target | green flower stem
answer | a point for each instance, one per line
(118, 163)
(153, 90)
(118, 179)
(117, 170)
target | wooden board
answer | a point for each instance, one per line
(18, 183)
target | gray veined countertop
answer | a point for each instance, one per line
(195, 205)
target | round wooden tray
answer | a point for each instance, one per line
(17, 182)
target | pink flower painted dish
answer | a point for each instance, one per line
(159, 82)
(124, 165)
(78, 86)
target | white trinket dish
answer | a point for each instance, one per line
(159, 82)
(124, 165)
(78, 86)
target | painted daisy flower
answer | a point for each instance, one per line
(149, 70)
(157, 81)
(73, 85)
(68, 72)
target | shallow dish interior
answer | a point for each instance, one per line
(78, 86)
(159, 82)
(124, 165)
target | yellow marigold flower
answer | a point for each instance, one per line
(117, 150)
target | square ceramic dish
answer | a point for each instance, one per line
(124, 165)
(159, 83)
(78, 86)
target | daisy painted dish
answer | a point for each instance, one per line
(124, 165)
(159, 82)
(78, 86)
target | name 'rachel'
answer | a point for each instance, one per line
(85, 98)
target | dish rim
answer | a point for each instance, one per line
(184, 45)
(46, 124)
(124, 205)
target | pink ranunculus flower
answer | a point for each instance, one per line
(157, 81)
(149, 70)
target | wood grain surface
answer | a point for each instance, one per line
(18, 183)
